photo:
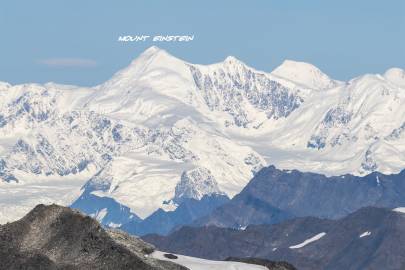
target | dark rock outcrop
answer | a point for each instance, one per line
(55, 237)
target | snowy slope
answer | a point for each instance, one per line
(202, 264)
(305, 74)
(163, 125)
(355, 128)
(17, 199)
(396, 76)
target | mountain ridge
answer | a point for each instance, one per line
(162, 117)
(369, 238)
(274, 195)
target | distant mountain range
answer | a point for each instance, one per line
(275, 195)
(163, 131)
(370, 238)
(272, 196)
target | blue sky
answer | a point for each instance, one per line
(75, 41)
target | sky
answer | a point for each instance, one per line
(76, 41)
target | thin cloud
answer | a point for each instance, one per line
(68, 62)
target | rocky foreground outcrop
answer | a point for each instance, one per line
(55, 237)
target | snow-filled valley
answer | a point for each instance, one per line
(163, 129)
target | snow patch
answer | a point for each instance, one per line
(308, 241)
(99, 216)
(113, 225)
(169, 206)
(367, 233)
(201, 264)
(399, 210)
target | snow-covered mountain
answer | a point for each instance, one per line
(305, 74)
(163, 129)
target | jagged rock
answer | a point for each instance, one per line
(195, 184)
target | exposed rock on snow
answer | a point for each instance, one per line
(195, 184)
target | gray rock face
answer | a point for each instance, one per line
(228, 87)
(274, 195)
(336, 117)
(55, 237)
(5, 174)
(370, 238)
(195, 184)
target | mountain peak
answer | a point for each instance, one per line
(305, 74)
(232, 61)
(396, 76)
(152, 50)
(153, 57)
(298, 65)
